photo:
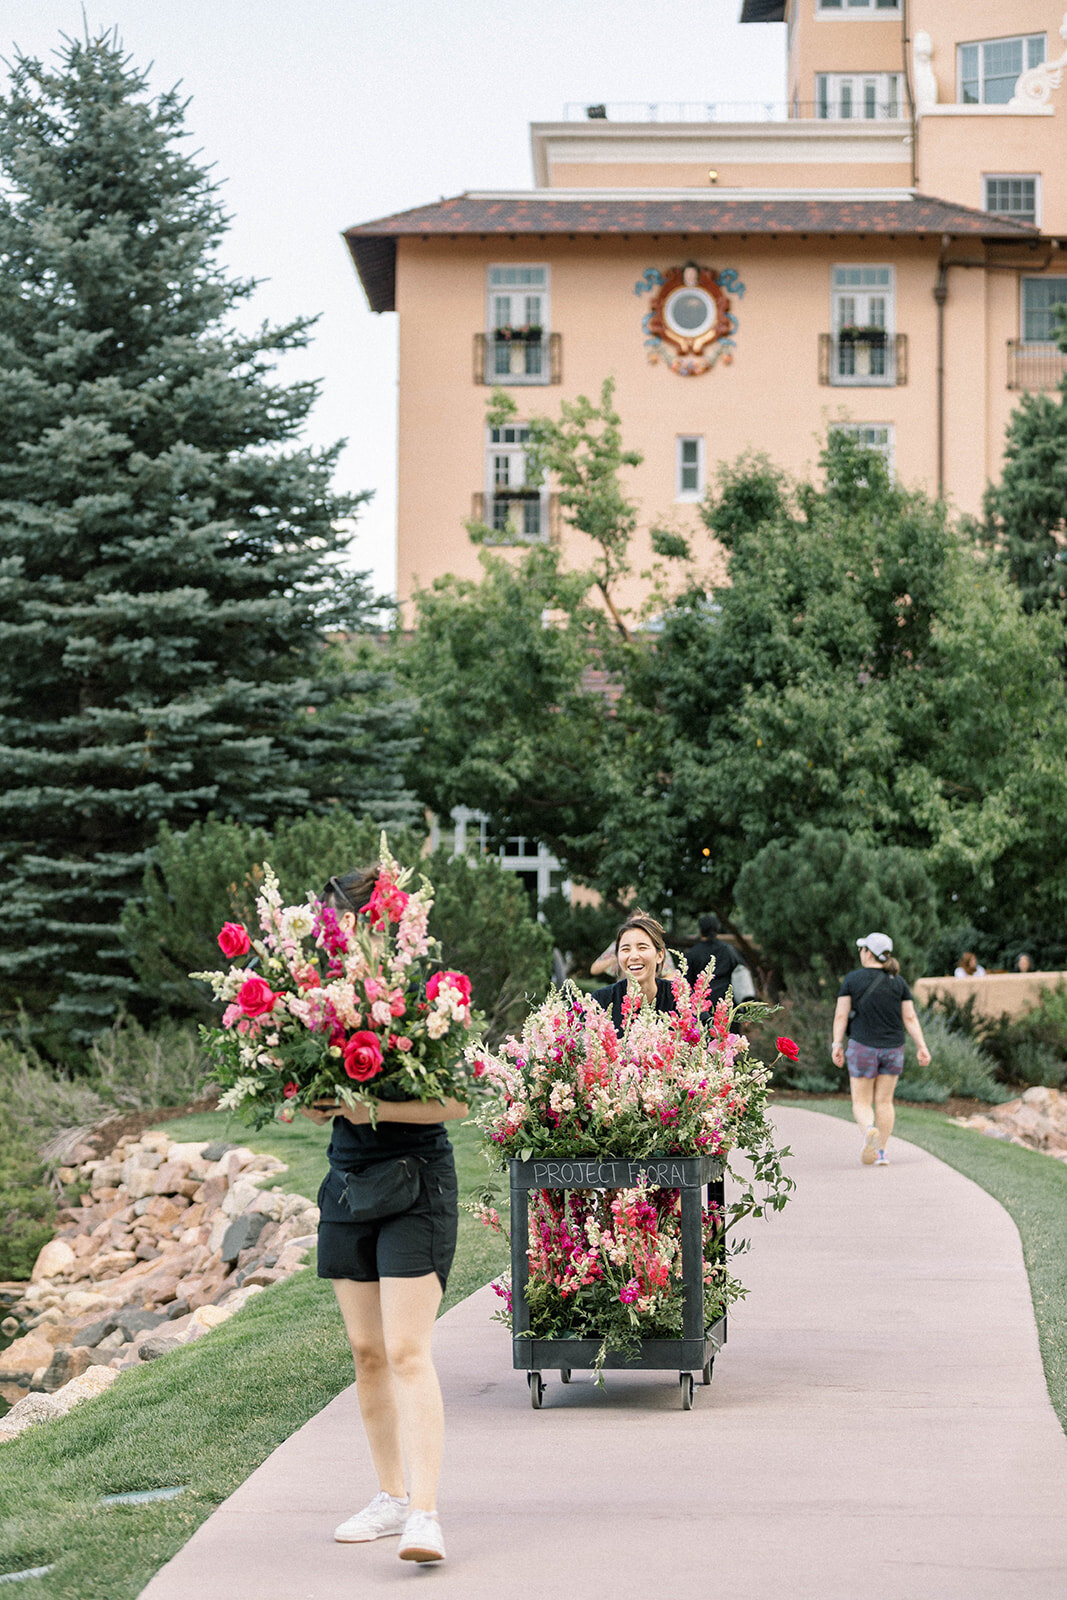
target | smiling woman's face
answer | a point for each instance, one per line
(638, 956)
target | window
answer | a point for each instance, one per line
(517, 323)
(877, 436)
(862, 312)
(1041, 296)
(689, 466)
(988, 70)
(868, 97)
(515, 509)
(1011, 195)
(857, 5)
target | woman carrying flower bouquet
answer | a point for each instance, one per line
(389, 1273)
(641, 950)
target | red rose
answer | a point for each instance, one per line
(363, 1056)
(454, 980)
(787, 1048)
(234, 940)
(290, 1090)
(256, 997)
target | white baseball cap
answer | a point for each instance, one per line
(879, 944)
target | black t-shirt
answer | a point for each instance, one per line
(726, 958)
(612, 996)
(352, 1148)
(876, 1002)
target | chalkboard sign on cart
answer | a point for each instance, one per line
(697, 1348)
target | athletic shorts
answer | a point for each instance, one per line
(864, 1061)
(416, 1242)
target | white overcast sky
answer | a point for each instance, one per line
(323, 113)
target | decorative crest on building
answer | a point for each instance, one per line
(689, 324)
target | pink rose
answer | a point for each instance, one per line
(403, 1042)
(234, 940)
(453, 980)
(290, 1090)
(397, 1006)
(363, 1056)
(256, 997)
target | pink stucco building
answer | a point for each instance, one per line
(883, 252)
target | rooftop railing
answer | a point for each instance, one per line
(728, 111)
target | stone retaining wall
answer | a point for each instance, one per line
(170, 1241)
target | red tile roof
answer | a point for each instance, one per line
(373, 244)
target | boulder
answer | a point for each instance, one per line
(33, 1409)
(108, 1175)
(110, 1263)
(91, 1336)
(215, 1152)
(264, 1276)
(141, 1183)
(23, 1357)
(158, 1344)
(241, 1196)
(67, 1363)
(240, 1297)
(10, 1326)
(241, 1235)
(91, 1383)
(208, 1317)
(55, 1259)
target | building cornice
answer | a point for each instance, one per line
(799, 140)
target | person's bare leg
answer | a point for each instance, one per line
(885, 1087)
(862, 1101)
(409, 1309)
(361, 1309)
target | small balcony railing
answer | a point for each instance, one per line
(518, 516)
(1035, 366)
(514, 356)
(863, 358)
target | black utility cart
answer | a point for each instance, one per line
(697, 1348)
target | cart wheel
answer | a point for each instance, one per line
(686, 1381)
(708, 1372)
(537, 1389)
(564, 1374)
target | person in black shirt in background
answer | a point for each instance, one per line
(729, 963)
(874, 1007)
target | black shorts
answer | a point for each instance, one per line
(410, 1245)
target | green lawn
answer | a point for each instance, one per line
(1032, 1188)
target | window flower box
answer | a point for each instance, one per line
(529, 333)
(874, 338)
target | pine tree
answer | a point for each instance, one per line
(167, 550)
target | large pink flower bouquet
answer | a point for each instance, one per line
(607, 1264)
(314, 1012)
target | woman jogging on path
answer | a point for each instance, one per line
(389, 1275)
(879, 1003)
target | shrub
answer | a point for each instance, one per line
(805, 902)
(1030, 1049)
(959, 1066)
(808, 1020)
(131, 1067)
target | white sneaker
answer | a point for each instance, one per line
(881, 1159)
(422, 1538)
(868, 1155)
(382, 1519)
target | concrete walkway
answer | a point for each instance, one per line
(878, 1428)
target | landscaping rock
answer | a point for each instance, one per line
(158, 1344)
(9, 1326)
(67, 1363)
(54, 1260)
(33, 1409)
(23, 1357)
(215, 1152)
(1037, 1119)
(241, 1235)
